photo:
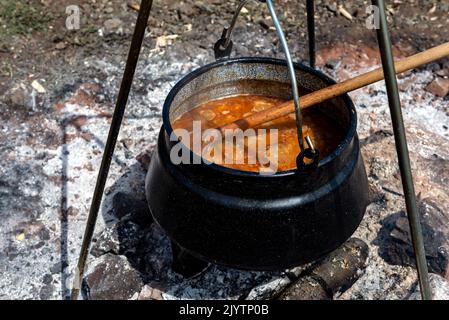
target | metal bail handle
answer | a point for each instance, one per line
(223, 48)
(305, 153)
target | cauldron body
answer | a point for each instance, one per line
(247, 220)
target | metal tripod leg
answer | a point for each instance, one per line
(402, 149)
(122, 99)
(311, 31)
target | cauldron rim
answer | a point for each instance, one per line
(351, 131)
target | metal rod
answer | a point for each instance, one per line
(117, 117)
(291, 69)
(402, 149)
(311, 31)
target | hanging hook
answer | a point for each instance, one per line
(223, 46)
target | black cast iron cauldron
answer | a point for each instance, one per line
(247, 220)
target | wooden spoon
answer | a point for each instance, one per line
(338, 89)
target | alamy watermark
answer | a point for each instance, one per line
(73, 20)
(373, 20)
(230, 147)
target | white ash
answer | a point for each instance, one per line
(37, 196)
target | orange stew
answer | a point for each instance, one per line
(323, 131)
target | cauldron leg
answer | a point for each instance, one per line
(185, 264)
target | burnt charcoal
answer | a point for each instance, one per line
(306, 288)
(337, 272)
(123, 238)
(56, 268)
(47, 279)
(107, 242)
(340, 269)
(185, 264)
(136, 210)
(46, 292)
(144, 158)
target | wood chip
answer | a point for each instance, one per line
(344, 12)
(20, 237)
(433, 9)
(133, 5)
(188, 27)
(38, 87)
(163, 41)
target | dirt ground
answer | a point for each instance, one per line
(58, 89)
(33, 35)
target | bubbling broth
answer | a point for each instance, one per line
(324, 132)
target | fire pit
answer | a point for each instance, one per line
(252, 221)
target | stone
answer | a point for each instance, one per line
(56, 268)
(18, 96)
(156, 261)
(144, 158)
(439, 87)
(122, 238)
(150, 292)
(60, 46)
(112, 26)
(439, 287)
(442, 72)
(46, 292)
(112, 278)
(332, 7)
(107, 242)
(435, 232)
(47, 279)
(136, 210)
(406, 84)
